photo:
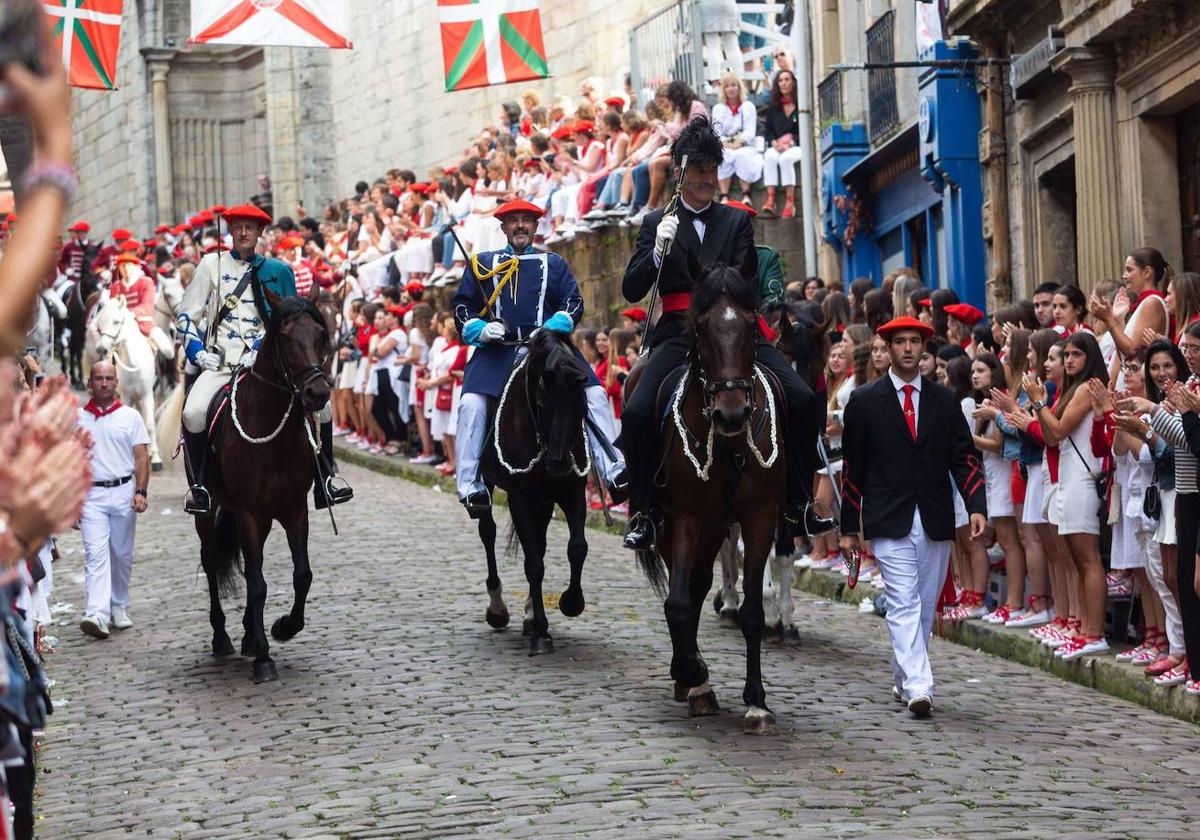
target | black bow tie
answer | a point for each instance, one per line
(704, 215)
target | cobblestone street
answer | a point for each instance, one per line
(399, 713)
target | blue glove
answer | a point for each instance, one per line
(471, 331)
(560, 322)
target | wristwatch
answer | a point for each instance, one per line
(1149, 434)
(141, 491)
(1039, 405)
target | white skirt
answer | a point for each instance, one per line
(360, 379)
(1127, 549)
(1076, 504)
(1035, 493)
(961, 518)
(998, 479)
(1165, 535)
(347, 374)
(439, 424)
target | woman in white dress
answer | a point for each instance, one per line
(440, 385)
(420, 337)
(736, 121)
(839, 383)
(1146, 276)
(971, 559)
(1077, 503)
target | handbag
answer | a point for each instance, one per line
(445, 398)
(1152, 498)
(1100, 478)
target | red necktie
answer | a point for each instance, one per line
(910, 412)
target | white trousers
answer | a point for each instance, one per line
(746, 163)
(195, 410)
(780, 167)
(1154, 570)
(914, 569)
(721, 54)
(472, 431)
(107, 527)
(162, 342)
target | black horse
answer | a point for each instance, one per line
(537, 451)
(79, 300)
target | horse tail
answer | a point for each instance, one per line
(170, 420)
(226, 552)
(654, 568)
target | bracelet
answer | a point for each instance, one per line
(141, 491)
(59, 176)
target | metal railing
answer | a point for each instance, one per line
(667, 46)
(881, 84)
(829, 95)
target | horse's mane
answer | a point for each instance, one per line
(289, 306)
(722, 280)
(547, 349)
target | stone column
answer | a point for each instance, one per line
(159, 65)
(1097, 182)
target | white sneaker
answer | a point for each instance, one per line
(438, 273)
(554, 239)
(1029, 619)
(597, 215)
(120, 618)
(423, 459)
(94, 626)
(921, 705)
(1090, 649)
(637, 218)
(804, 561)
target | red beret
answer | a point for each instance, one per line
(519, 206)
(904, 323)
(396, 190)
(964, 312)
(165, 268)
(584, 127)
(926, 302)
(248, 211)
(130, 245)
(740, 206)
(217, 209)
(150, 243)
(533, 163)
(615, 102)
(449, 170)
(80, 227)
(163, 229)
(634, 313)
(563, 131)
(398, 311)
(414, 287)
(178, 229)
(292, 242)
(126, 257)
(120, 235)
(204, 217)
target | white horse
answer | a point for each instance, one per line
(166, 302)
(41, 335)
(779, 607)
(119, 339)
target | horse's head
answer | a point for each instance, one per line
(297, 345)
(723, 323)
(111, 316)
(559, 402)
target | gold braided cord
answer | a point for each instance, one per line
(508, 267)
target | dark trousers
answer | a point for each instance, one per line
(639, 425)
(1187, 524)
(385, 408)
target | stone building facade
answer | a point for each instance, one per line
(1097, 149)
(195, 126)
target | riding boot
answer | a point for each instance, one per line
(802, 518)
(643, 519)
(197, 502)
(329, 488)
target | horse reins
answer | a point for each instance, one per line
(709, 390)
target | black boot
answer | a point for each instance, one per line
(803, 517)
(329, 488)
(197, 502)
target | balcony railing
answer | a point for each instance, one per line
(829, 94)
(667, 46)
(881, 84)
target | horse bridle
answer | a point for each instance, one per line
(711, 389)
(305, 377)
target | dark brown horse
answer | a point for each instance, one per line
(537, 452)
(264, 467)
(724, 465)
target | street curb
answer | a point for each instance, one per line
(1100, 673)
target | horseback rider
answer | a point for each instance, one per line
(131, 282)
(503, 297)
(77, 256)
(708, 233)
(221, 326)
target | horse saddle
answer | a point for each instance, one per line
(218, 406)
(666, 396)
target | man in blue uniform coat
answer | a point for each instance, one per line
(505, 296)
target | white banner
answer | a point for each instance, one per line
(272, 23)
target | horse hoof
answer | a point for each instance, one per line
(156, 466)
(681, 693)
(773, 633)
(704, 704)
(791, 636)
(690, 671)
(571, 604)
(265, 672)
(527, 627)
(497, 621)
(728, 619)
(248, 646)
(759, 722)
(285, 628)
(718, 603)
(539, 645)
(222, 646)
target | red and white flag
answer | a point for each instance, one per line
(272, 23)
(89, 35)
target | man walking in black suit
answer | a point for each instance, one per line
(905, 438)
(708, 233)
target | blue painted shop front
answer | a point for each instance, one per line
(915, 200)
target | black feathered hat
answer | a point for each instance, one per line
(699, 143)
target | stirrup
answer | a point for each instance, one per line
(198, 501)
(335, 491)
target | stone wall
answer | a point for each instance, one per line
(598, 261)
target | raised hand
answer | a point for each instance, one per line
(1002, 399)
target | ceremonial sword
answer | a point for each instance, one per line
(670, 210)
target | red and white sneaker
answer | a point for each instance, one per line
(1062, 640)
(999, 615)
(1176, 676)
(1192, 687)
(1086, 646)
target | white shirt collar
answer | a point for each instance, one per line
(693, 209)
(899, 383)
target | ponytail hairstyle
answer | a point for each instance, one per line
(1151, 258)
(1076, 299)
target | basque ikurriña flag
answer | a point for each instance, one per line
(272, 23)
(89, 32)
(491, 42)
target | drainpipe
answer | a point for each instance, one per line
(808, 138)
(999, 284)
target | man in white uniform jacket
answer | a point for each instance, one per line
(120, 472)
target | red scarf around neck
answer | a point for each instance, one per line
(98, 412)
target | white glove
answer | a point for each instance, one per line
(494, 331)
(207, 361)
(248, 358)
(665, 235)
